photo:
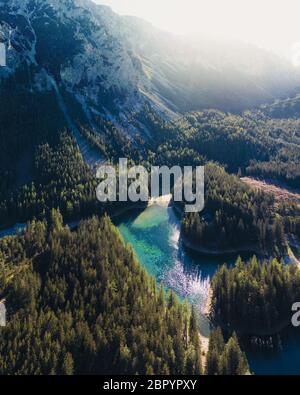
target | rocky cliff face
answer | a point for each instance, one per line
(112, 65)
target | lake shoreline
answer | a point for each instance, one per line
(180, 283)
(205, 339)
(163, 201)
(242, 331)
(218, 252)
(166, 201)
(257, 333)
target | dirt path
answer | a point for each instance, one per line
(204, 339)
(204, 349)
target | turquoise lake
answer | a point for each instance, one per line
(154, 234)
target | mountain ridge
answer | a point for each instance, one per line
(111, 66)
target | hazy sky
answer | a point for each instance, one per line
(272, 24)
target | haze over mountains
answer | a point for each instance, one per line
(113, 65)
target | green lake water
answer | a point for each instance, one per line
(154, 234)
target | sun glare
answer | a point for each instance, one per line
(271, 24)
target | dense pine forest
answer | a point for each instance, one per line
(80, 303)
(235, 216)
(254, 143)
(38, 120)
(60, 179)
(225, 359)
(255, 298)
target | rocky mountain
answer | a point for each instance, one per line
(95, 63)
(286, 108)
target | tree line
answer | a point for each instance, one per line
(60, 179)
(235, 216)
(225, 359)
(80, 303)
(255, 298)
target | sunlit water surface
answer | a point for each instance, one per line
(154, 234)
